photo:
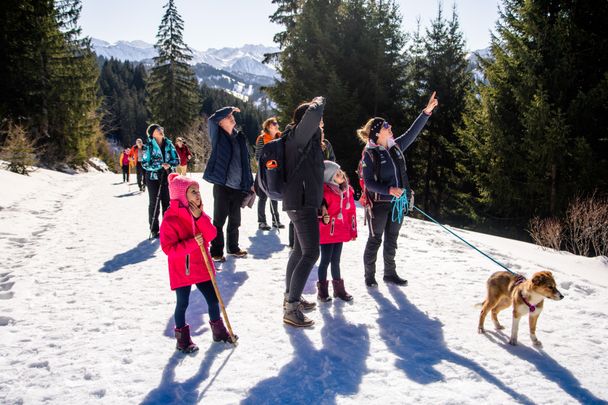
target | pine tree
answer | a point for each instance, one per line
(536, 129)
(438, 64)
(172, 87)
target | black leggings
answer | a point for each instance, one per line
(305, 251)
(183, 298)
(330, 253)
(125, 173)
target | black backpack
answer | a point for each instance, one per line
(272, 171)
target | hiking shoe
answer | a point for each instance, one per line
(395, 279)
(263, 226)
(240, 253)
(292, 315)
(155, 235)
(371, 281)
(304, 305)
(278, 225)
(219, 259)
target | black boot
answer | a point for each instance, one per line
(370, 281)
(395, 279)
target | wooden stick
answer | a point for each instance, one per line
(217, 292)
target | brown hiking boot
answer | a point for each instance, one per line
(292, 315)
(305, 305)
(184, 343)
(340, 291)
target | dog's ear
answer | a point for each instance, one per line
(539, 278)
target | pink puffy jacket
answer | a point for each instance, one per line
(342, 226)
(177, 230)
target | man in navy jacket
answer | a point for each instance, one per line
(229, 170)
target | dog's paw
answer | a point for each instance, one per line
(537, 343)
(481, 330)
(513, 342)
(499, 327)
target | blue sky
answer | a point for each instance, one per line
(216, 24)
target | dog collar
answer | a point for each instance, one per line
(532, 307)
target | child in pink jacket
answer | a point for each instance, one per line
(184, 226)
(338, 225)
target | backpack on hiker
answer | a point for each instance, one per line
(272, 166)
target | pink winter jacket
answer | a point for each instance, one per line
(341, 228)
(177, 230)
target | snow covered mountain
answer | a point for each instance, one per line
(246, 59)
(473, 59)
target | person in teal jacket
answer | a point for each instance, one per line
(159, 160)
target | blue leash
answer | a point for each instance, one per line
(462, 239)
(400, 207)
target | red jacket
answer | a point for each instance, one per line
(177, 230)
(341, 228)
(183, 154)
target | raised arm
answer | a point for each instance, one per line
(408, 137)
(309, 124)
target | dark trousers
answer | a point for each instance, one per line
(381, 223)
(183, 298)
(305, 251)
(125, 173)
(330, 254)
(291, 232)
(226, 205)
(140, 175)
(262, 198)
(154, 206)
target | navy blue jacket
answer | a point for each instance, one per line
(389, 168)
(216, 171)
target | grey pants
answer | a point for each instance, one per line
(305, 251)
(380, 224)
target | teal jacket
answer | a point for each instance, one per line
(153, 158)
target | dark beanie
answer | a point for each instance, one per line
(152, 128)
(375, 128)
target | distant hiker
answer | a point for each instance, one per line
(338, 224)
(270, 132)
(184, 155)
(302, 199)
(385, 177)
(124, 164)
(229, 170)
(160, 159)
(137, 154)
(184, 226)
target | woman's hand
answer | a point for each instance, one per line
(324, 215)
(433, 102)
(199, 239)
(395, 191)
(196, 211)
(166, 166)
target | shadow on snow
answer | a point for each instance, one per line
(418, 343)
(550, 368)
(264, 244)
(318, 376)
(140, 253)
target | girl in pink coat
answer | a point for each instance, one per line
(184, 226)
(338, 225)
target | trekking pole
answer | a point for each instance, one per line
(156, 204)
(217, 292)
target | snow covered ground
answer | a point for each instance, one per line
(86, 315)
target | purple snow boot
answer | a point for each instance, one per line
(184, 343)
(220, 334)
(340, 291)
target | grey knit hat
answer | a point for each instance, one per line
(330, 171)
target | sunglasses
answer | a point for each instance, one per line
(274, 123)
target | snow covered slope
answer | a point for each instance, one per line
(86, 315)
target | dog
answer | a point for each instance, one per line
(526, 296)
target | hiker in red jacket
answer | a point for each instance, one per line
(184, 155)
(184, 227)
(338, 225)
(125, 159)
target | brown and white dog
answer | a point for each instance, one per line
(526, 296)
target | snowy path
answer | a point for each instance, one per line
(86, 315)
